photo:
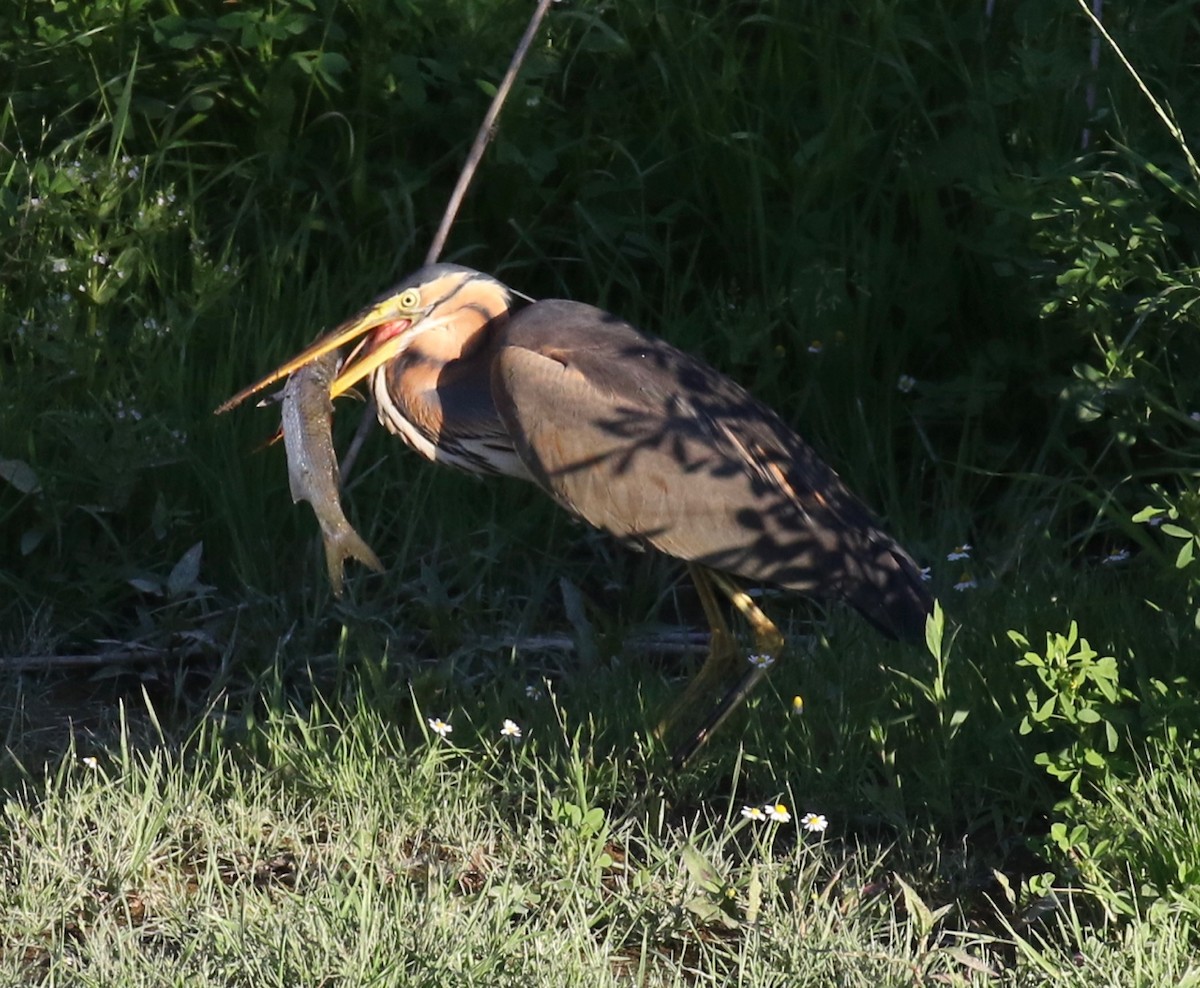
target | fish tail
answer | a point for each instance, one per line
(345, 545)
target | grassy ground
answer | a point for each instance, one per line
(334, 846)
(310, 827)
(345, 843)
(882, 221)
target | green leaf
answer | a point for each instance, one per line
(21, 475)
(186, 572)
(918, 912)
(701, 870)
(1186, 553)
(333, 63)
(576, 611)
(935, 625)
(120, 123)
(593, 821)
(146, 584)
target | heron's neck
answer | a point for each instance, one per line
(440, 384)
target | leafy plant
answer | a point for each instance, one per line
(1076, 704)
(1177, 517)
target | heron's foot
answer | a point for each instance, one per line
(722, 662)
(768, 644)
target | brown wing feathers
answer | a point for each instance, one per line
(649, 443)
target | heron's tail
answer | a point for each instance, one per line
(885, 585)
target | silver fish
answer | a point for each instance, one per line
(313, 467)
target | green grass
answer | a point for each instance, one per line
(308, 826)
(342, 846)
(818, 201)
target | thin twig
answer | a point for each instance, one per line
(474, 156)
(113, 657)
(667, 642)
(486, 129)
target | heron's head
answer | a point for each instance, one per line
(444, 304)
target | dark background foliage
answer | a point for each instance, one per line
(953, 243)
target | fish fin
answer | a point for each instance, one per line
(348, 545)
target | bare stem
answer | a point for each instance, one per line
(474, 156)
(486, 130)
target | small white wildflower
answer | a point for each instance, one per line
(439, 727)
(816, 346)
(761, 661)
(510, 729)
(134, 172)
(99, 258)
(59, 265)
(1115, 557)
(532, 692)
(753, 813)
(777, 812)
(959, 552)
(90, 762)
(1195, 416)
(966, 583)
(35, 202)
(905, 383)
(814, 823)
(926, 573)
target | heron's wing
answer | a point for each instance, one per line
(651, 444)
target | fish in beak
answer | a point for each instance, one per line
(388, 327)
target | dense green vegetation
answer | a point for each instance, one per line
(957, 245)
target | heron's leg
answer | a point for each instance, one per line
(768, 643)
(722, 653)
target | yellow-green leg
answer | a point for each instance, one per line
(723, 658)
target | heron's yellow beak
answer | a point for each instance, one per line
(385, 313)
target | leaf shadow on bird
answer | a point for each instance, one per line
(636, 437)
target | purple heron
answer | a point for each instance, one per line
(634, 436)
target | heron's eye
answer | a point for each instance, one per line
(409, 299)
